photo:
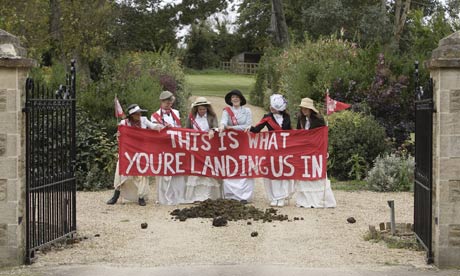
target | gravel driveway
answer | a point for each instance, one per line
(322, 239)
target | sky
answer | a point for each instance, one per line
(229, 15)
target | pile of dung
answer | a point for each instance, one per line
(231, 210)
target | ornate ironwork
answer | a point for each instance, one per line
(423, 164)
(50, 163)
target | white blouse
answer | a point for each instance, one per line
(202, 122)
(243, 117)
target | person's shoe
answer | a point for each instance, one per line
(244, 201)
(142, 201)
(114, 198)
(281, 203)
(274, 203)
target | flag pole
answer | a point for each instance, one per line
(327, 101)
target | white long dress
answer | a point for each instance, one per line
(315, 193)
(238, 188)
(278, 191)
(171, 189)
(200, 188)
(133, 187)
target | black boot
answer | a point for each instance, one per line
(142, 201)
(115, 197)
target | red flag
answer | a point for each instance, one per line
(118, 110)
(333, 105)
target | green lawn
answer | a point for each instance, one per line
(218, 83)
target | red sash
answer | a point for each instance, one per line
(160, 119)
(232, 115)
(190, 116)
(269, 120)
(128, 123)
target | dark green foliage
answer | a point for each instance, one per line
(254, 23)
(143, 26)
(267, 78)
(353, 136)
(96, 154)
(134, 78)
(308, 69)
(200, 52)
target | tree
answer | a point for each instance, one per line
(401, 10)
(143, 26)
(253, 24)
(200, 52)
(55, 31)
(278, 24)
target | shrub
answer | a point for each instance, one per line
(392, 173)
(391, 102)
(354, 138)
(96, 154)
(134, 78)
(267, 78)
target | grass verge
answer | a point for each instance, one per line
(352, 185)
(217, 83)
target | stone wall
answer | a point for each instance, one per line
(13, 73)
(445, 70)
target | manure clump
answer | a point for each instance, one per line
(228, 209)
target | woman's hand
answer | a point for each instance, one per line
(247, 129)
(211, 134)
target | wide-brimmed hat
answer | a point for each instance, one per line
(228, 97)
(308, 103)
(134, 108)
(278, 102)
(200, 101)
(165, 95)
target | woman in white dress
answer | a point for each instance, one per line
(171, 189)
(278, 191)
(202, 118)
(132, 187)
(315, 193)
(237, 117)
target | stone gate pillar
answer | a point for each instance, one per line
(14, 68)
(444, 68)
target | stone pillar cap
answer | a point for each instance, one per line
(10, 46)
(447, 54)
(12, 54)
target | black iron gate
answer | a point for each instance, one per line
(423, 164)
(50, 163)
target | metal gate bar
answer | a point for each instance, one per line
(423, 164)
(50, 164)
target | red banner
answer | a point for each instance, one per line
(286, 154)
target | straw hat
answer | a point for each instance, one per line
(200, 101)
(134, 108)
(228, 97)
(308, 103)
(165, 95)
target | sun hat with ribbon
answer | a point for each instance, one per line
(200, 101)
(134, 108)
(308, 103)
(278, 102)
(165, 95)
